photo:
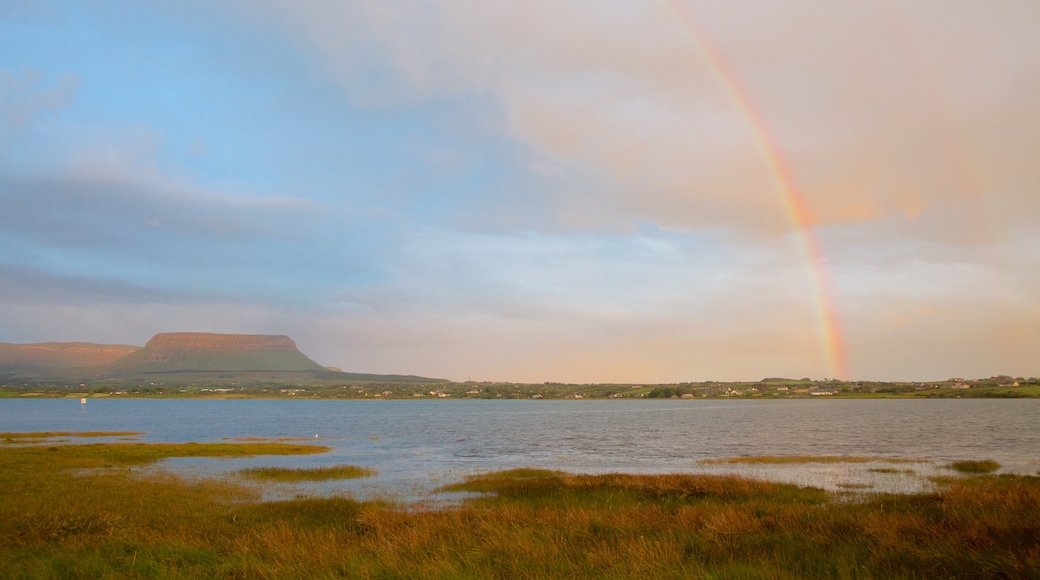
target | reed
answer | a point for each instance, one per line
(58, 520)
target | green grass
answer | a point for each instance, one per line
(974, 467)
(59, 520)
(305, 474)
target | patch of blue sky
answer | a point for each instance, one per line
(223, 109)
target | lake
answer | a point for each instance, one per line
(418, 445)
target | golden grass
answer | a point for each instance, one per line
(799, 459)
(307, 474)
(57, 521)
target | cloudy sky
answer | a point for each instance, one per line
(566, 190)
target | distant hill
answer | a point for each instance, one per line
(202, 351)
(60, 355)
(178, 357)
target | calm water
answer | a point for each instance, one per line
(416, 445)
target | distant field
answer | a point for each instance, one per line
(332, 385)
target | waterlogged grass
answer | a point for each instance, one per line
(307, 474)
(853, 485)
(527, 524)
(53, 434)
(891, 470)
(975, 467)
(271, 439)
(797, 459)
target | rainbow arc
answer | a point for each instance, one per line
(798, 211)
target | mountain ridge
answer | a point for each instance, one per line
(61, 354)
(203, 351)
(174, 353)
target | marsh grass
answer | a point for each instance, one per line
(307, 474)
(528, 524)
(854, 485)
(891, 470)
(30, 441)
(270, 439)
(52, 434)
(797, 459)
(975, 467)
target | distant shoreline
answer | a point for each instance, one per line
(56, 394)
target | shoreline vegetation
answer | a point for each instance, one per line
(307, 474)
(799, 459)
(258, 385)
(83, 510)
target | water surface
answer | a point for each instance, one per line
(417, 445)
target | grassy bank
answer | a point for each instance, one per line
(307, 474)
(77, 511)
(801, 459)
(51, 434)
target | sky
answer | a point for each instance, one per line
(565, 190)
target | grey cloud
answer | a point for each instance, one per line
(20, 286)
(143, 235)
(27, 95)
(71, 213)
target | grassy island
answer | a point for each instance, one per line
(86, 511)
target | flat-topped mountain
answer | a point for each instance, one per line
(203, 351)
(187, 357)
(209, 341)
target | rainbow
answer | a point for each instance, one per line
(797, 209)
